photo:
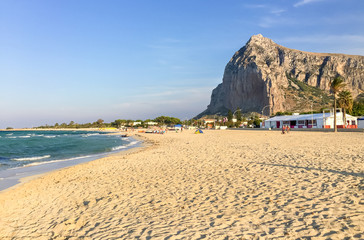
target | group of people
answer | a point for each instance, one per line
(159, 131)
(285, 129)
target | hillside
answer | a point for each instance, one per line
(265, 75)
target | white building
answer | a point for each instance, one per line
(152, 123)
(137, 123)
(316, 120)
(207, 121)
(361, 122)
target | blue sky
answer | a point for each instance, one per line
(63, 61)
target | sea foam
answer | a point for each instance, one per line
(124, 146)
(31, 158)
(56, 161)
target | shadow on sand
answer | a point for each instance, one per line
(360, 174)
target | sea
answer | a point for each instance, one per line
(27, 153)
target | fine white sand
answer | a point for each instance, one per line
(216, 185)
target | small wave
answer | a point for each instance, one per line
(49, 136)
(90, 134)
(35, 135)
(9, 134)
(118, 148)
(11, 137)
(31, 158)
(124, 146)
(53, 161)
(24, 137)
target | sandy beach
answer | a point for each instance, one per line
(217, 185)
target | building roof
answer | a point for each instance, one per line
(305, 117)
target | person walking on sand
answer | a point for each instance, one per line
(283, 129)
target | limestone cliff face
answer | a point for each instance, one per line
(263, 73)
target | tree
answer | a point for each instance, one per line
(335, 86)
(230, 116)
(99, 122)
(238, 115)
(71, 124)
(256, 121)
(345, 101)
(162, 120)
(117, 123)
(358, 108)
(167, 120)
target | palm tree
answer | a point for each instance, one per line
(335, 86)
(345, 101)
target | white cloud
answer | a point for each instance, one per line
(304, 2)
(255, 6)
(278, 12)
(272, 9)
(165, 43)
(346, 19)
(346, 43)
(267, 22)
(181, 93)
(271, 14)
(181, 102)
(325, 38)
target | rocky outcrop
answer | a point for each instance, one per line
(266, 75)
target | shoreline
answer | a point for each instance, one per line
(15, 177)
(215, 185)
(61, 129)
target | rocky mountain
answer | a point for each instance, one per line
(266, 76)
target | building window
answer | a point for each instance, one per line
(285, 122)
(301, 122)
(309, 122)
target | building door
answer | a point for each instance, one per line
(278, 124)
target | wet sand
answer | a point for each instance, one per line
(216, 185)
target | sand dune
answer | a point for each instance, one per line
(216, 185)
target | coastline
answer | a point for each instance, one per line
(15, 177)
(59, 129)
(216, 185)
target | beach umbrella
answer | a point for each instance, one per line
(198, 131)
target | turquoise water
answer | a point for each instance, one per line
(30, 148)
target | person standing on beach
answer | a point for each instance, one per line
(283, 129)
